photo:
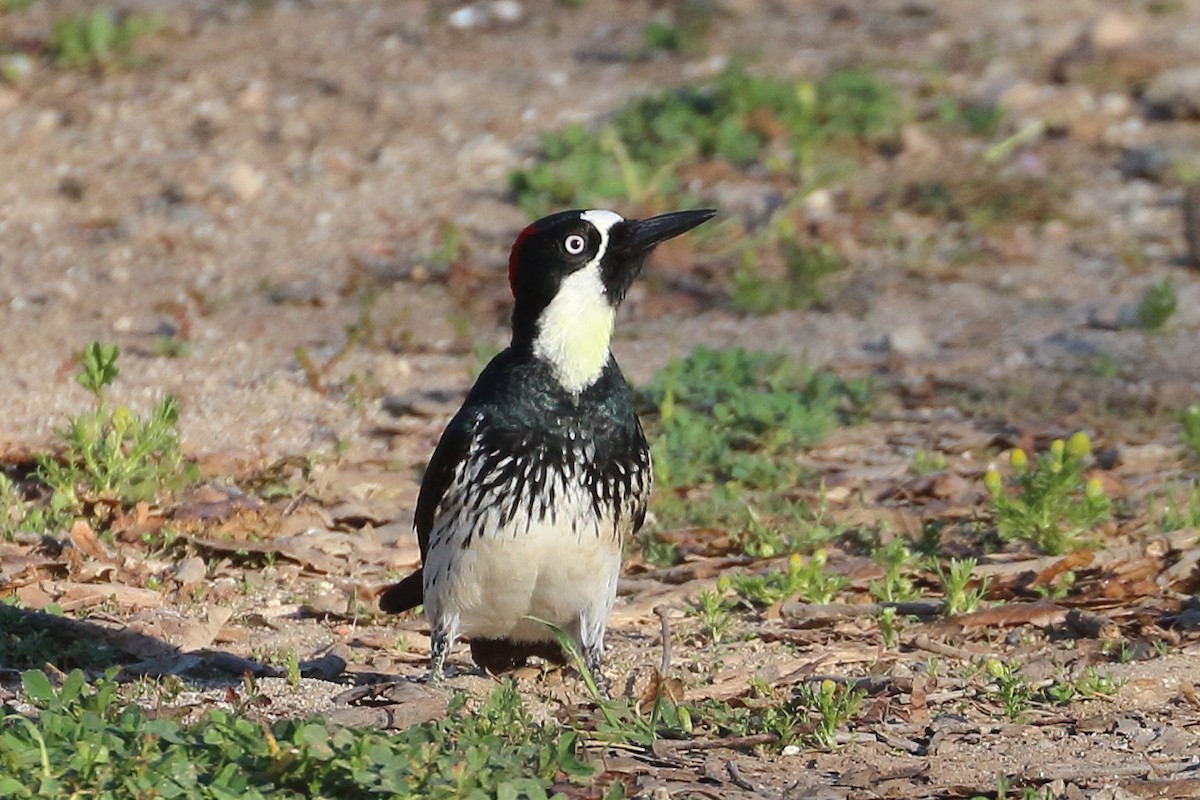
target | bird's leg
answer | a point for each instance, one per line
(441, 639)
(593, 655)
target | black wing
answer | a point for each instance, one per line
(451, 449)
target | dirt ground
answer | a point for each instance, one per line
(269, 160)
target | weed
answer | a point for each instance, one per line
(961, 597)
(684, 32)
(1189, 436)
(86, 741)
(1181, 509)
(804, 265)
(291, 666)
(715, 611)
(1053, 505)
(115, 453)
(100, 39)
(1091, 684)
(806, 579)
(736, 117)
(889, 628)
(896, 585)
(27, 642)
(1010, 688)
(976, 119)
(834, 704)
(1119, 651)
(813, 713)
(731, 415)
(923, 463)
(1156, 305)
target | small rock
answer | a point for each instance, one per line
(466, 18)
(752, 202)
(1145, 163)
(334, 603)
(506, 11)
(915, 143)
(9, 99)
(909, 339)
(191, 571)
(1174, 94)
(245, 181)
(1113, 30)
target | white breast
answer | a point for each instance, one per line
(560, 563)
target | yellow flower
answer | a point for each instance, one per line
(1095, 489)
(1079, 446)
(1018, 459)
(993, 481)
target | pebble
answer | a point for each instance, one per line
(1174, 94)
(506, 12)
(191, 571)
(908, 339)
(245, 181)
(1144, 162)
(1113, 30)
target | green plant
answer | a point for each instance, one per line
(896, 585)
(961, 596)
(115, 453)
(736, 117)
(924, 462)
(28, 641)
(977, 119)
(1189, 419)
(804, 265)
(85, 741)
(889, 627)
(806, 579)
(683, 31)
(1010, 688)
(1156, 305)
(812, 714)
(834, 704)
(714, 610)
(1181, 509)
(99, 39)
(14, 6)
(1053, 505)
(291, 666)
(731, 415)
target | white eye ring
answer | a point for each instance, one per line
(574, 244)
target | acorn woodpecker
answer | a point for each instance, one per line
(544, 471)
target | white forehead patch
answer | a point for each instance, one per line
(603, 219)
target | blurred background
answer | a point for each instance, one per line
(294, 216)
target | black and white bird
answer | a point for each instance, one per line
(544, 472)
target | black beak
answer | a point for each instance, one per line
(639, 236)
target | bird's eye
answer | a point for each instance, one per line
(574, 244)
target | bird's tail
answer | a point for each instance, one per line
(408, 593)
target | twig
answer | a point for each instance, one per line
(732, 742)
(661, 612)
(738, 780)
(801, 614)
(923, 642)
(1093, 626)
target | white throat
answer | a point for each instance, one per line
(575, 330)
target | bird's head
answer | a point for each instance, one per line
(569, 272)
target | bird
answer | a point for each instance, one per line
(545, 470)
